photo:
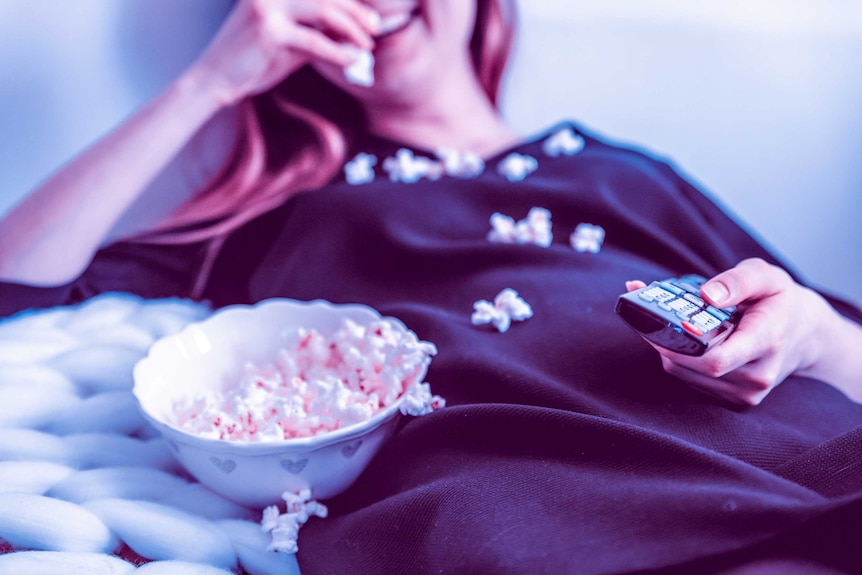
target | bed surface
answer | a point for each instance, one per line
(86, 486)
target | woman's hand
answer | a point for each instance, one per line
(264, 41)
(785, 329)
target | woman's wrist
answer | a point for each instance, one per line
(838, 342)
(204, 91)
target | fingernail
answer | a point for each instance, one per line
(716, 291)
(375, 20)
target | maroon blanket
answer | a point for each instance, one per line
(565, 448)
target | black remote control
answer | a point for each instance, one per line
(671, 314)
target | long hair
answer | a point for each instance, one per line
(295, 137)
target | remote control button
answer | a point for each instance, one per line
(671, 288)
(646, 297)
(658, 294)
(705, 321)
(665, 306)
(683, 308)
(694, 279)
(691, 328)
(721, 315)
(694, 299)
(687, 287)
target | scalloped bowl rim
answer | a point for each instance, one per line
(297, 444)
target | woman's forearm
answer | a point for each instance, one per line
(50, 237)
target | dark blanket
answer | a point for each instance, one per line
(564, 448)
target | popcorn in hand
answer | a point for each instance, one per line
(508, 306)
(587, 238)
(460, 164)
(360, 170)
(361, 71)
(563, 142)
(284, 527)
(534, 229)
(515, 167)
(409, 169)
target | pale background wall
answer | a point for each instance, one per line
(759, 100)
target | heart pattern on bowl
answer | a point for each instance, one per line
(226, 466)
(292, 466)
(349, 451)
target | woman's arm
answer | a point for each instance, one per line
(785, 329)
(51, 236)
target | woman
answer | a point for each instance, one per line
(567, 446)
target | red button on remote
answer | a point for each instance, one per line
(691, 328)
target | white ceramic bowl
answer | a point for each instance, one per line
(211, 353)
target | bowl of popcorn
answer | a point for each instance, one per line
(283, 397)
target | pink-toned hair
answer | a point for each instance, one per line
(266, 167)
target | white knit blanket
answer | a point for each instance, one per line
(84, 480)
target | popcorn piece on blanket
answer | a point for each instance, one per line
(534, 229)
(409, 169)
(285, 535)
(303, 506)
(563, 142)
(587, 238)
(319, 385)
(508, 306)
(360, 170)
(284, 527)
(460, 164)
(515, 167)
(361, 71)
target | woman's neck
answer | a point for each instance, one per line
(454, 115)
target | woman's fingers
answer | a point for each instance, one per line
(752, 279)
(264, 41)
(351, 20)
(743, 376)
(737, 389)
(340, 20)
(327, 30)
(757, 335)
(314, 44)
